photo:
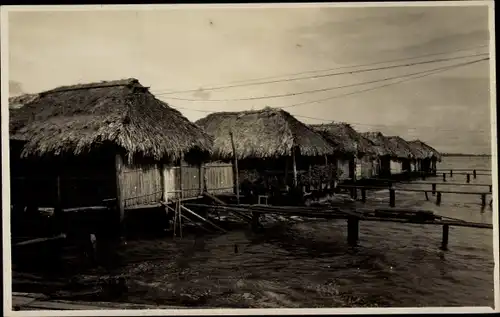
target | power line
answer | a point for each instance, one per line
(169, 91)
(322, 76)
(423, 74)
(373, 88)
(311, 91)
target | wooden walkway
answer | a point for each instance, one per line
(353, 215)
(33, 301)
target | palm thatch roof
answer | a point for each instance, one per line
(426, 150)
(346, 139)
(19, 101)
(387, 147)
(404, 149)
(77, 119)
(262, 133)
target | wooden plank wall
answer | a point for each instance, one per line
(220, 178)
(141, 184)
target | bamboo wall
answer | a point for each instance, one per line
(141, 184)
(146, 184)
(219, 178)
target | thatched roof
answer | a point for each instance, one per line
(19, 101)
(403, 149)
(346, 139)
(263, 133)
(385, 145)
(76, 119)
(426, 150)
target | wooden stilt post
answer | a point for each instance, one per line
(491, 188)
(468, 178)
(286, 173)
(363, 195)
(438, 199)
(200, 178)
(426, 196)
(352, 231)
(309, 176)
(294, 168)
(474, 174)
(392, 197)
(255, 220)
(181, 196)
(119, 195)
(58, 204)
(444, 241)
(236, 170)
(433, 189)
(444, 177)
(451, 173)
(483, 200)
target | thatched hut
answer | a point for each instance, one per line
(355, 155)
(76, 146)
(429, 155)
(413, 155)
(268, 141)
(392, 154)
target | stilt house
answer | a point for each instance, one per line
(82, 145)
(430, 156)
(356, 156)
(269, 146)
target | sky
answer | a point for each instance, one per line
(171, 50)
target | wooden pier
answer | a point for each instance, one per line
(353, 216)
(433, 190)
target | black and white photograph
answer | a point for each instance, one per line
(256, 158)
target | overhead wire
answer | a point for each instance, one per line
(233, 84)
(427, 73)
(314, 90)
(411, 77)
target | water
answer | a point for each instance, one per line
(308, 264)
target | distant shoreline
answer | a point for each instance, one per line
(467, 155)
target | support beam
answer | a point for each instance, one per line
(438, 199)
(352, 231)
(474, 174)
(444, 177)
(451, 173)
(200, 217)
(444, 241)
(363, 195)
(201, 172)
(433, 189)
(295, 183)
(119, 194)
(255, 220)
(392, 197)
(483, 200)
(236, 170)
